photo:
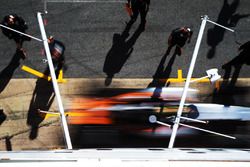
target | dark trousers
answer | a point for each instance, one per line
(139, 9)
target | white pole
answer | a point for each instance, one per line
(200, 129)
(184, 94)
(195, 120)
(20, 32)
(162, 123)
(153, 119)
(208, 131)
(55, 85)
(220, 25)
(198, 79)
(45, 6)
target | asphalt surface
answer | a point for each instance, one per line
(87, 29)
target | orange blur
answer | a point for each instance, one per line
(97, 110)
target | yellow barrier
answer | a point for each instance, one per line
(41, 75)
(61, 80)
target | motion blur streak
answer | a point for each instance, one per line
(89, 117)
(91, 111)
(124, 108)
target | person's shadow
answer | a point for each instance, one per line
(2, 116)
(227, 17)
(160, 80)
(227, 91)
(237, 63)
(7, 138)
(161, 75)
(8, 71)
(120, 51)
(42, 99)
(5, 77)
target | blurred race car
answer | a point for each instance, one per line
(126, 107)
(130, 112)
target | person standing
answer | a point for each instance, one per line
(57, 49)
(138, 6)
(178, 38)
(17, 23)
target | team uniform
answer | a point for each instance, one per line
(57, 49)
(17, 23)
(178, 38)
(139, 6)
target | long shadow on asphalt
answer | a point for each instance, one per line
(229, 94)
(237, 63)
(8, 72)
(161, 75)
(42, 99)
(160, 78)
(120, 51)
(227, 17)
(2, 116)
(5, 77)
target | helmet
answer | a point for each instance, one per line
(11, 19)
(11, 16)
(50, 39)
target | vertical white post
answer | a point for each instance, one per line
(185, 90)
(55, 85)
(45, 6)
